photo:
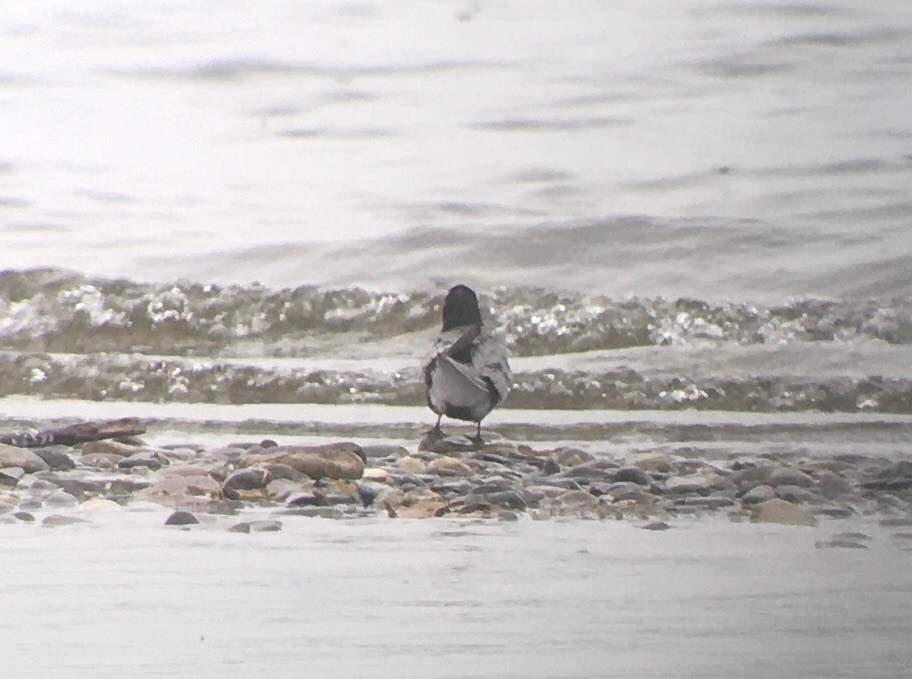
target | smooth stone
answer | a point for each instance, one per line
(11, 456)
(251, 478)
(683, 485)
(656, 525)
(140, 460)
(108, 447)
(344, 460)
(633, 475)
(896, 522)
(60, 498)
(375, 474)
(369, 491)
(412, 465)
(282, 489)
(789, 476)
(283, 471)
(507, 515)
(265, 526)
(839, 543)
(508, 499)
(707, 501)
(28, 517)
(382, 451)
(305, 500)
(799, 495)
(181, 518)
(99, 460)
(241, 527)
(450, 466)
(760, 493)
(832, 486)
(851, 535)
(54, 520)
(100, 504)
(57, 460)
(227, 453)
(578, 499)
(653, 463)
(782, 512)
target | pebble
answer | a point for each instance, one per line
(453, 477)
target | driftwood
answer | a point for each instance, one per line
(76, 433)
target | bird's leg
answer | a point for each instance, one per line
(437, 426)
(477, 438)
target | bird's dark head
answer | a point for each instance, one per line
(460, 307)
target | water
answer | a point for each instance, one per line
(747, 151)
(690, 221)
(452, 599)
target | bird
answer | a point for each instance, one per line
(468, 373)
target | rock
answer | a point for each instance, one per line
(305, 499)
(241, 527)
(760, 493)
(10, 476)
(450, 466)
(140, 460)
(181, 518)
(686, 485)
(780, 511)
(381, 451)
(633, 475)
(798, 495)
(282, 489)
(656, 525)
(265, 526)
(660, 464)
(840, 543)
(333, 460)
(56, 459)
(412, 465)
(375, 474)
(100, 505)
(60, 498)
(789, 476)
(251, 478)
(11, 456)
(108, 447)
(28, 517)
(53, 520)
(707, 501)
(832, 486)
(449, 444)
(506, 515)
(578, 499)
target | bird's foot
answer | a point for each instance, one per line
(431, 436)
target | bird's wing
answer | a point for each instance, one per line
(491, 359)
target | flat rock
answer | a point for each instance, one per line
(382, 451)
(634, 475)
(840, 543)
(11, 456)
(782, 512)
(109, 447)
(450, 466)
(683, 485)
(789, 476)
(759, 493)
(251, 478)
(412, 464)
(334, 460)
(56, 459)
(53, 520)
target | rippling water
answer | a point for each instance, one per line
(453, 599)
(710, 148)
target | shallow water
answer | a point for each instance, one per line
(709, 148)
(451, 599)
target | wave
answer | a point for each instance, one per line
(59, 311)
